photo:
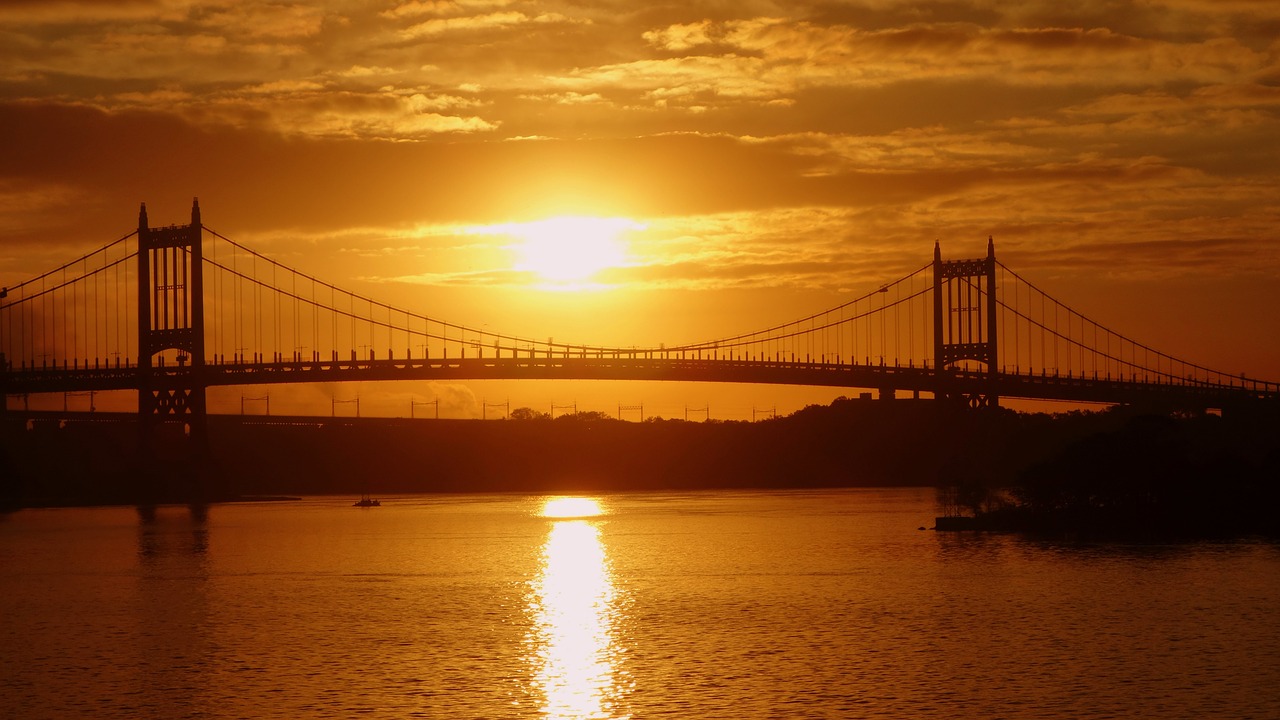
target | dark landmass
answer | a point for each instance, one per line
(1152, 477)
(1015, 469)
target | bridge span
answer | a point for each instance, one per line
(886, 380)
(157, 313)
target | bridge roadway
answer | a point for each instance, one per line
(884, 378)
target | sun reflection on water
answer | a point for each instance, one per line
(574, 607)
(571, 507)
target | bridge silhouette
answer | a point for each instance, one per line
(170, 311)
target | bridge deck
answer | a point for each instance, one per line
(874, 377)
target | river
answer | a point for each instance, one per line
(828, 604)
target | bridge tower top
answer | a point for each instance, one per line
(964, 314)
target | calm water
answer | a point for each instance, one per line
(703, 605)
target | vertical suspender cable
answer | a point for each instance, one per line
(128, 343)
(275, 306)
(62, 319)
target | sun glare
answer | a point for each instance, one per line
(573, 603)
(571, 507)
(567, 249)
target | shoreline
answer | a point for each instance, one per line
(1148, 472)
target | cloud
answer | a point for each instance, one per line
(418, 8)
(310, 108)
(680, 37)
(361, 71)
(726, 76)
(781, 56)
(87, 12)
(466, 23)
(1216, 97)
(265, 20)
(806, 147)
(566, 98)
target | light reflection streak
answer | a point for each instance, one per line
(574, 606)
(571, 507)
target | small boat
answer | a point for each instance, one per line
(366, 501)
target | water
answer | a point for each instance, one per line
(701, 605)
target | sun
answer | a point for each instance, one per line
(567, 249)
(571, 247)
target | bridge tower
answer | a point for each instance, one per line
(171, 317)
(964, 325)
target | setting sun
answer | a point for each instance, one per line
(566, 248)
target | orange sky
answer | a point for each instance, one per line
(772, 158)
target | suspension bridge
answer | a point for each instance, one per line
(171, 311)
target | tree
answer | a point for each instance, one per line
(586, 416)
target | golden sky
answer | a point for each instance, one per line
(759, 160)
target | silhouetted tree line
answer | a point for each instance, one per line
(1113, 462)
(1155, 476)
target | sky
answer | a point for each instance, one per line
(750, 162)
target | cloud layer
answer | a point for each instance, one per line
(799, 147)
